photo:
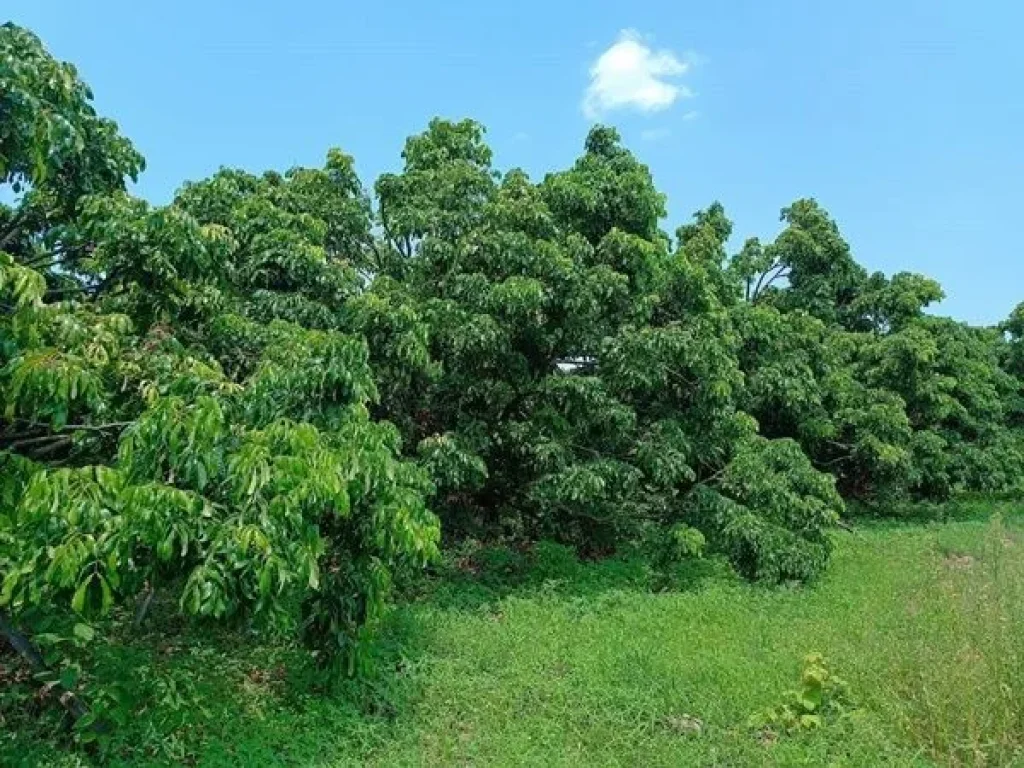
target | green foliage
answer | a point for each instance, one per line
(607, 189)
(891, 401)
(771, 511)
(821, 698)
(183, 410)
(587, 374)
(260, 402)
(511, 656)
(958, 401)
(51, 140)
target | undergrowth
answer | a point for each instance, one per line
(531, 657)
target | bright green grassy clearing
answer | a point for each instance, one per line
(583, 665)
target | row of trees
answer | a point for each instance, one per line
(269, 397)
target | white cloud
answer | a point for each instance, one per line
(655, 134)
(691, 115)
(631, 75)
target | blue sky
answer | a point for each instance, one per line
(904, 118)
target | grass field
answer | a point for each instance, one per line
(544, 661)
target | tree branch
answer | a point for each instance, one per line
(387, 230)
(40, 441)
(36, 428)
(762, 285)
(143, 608)
(12, 228)
(779, 270)
(18, 445)
(24, 647)
(93, 289)
(61, 255)
(53, 447)
(833, 462)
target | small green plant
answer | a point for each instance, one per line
(821, 698)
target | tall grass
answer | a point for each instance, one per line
(516, 659)
(958, 690)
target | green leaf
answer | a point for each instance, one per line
(78, 599)
(107, 595)
(810, 721)
(9, 585)
(810, 700)
(69, 677)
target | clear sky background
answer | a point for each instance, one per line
(905, 118)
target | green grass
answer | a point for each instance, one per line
(545, 661)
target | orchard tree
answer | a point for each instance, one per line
(958, 401)
(182, 411)
(809, 266)
(586, 378)
(890, 400)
